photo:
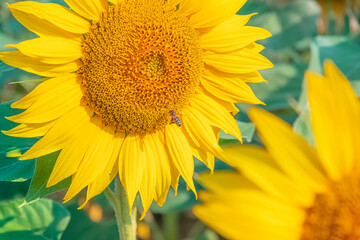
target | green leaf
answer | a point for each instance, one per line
(343, 51)
(290, 23)
(11, 169)
(184, 200)
(208, 234)
(82, 228)
(4, 67)
(247, 130)
(38, 189)
(44, 219)
(285, 83)
(302, 126)
(12, 190)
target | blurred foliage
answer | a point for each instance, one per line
(305, 33)
(11, 169)
(43, 169)
(44, 219)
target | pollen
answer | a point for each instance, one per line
(140, 61)
(335, 214)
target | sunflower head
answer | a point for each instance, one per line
(140, 61)
(134, 88)
(290, 190)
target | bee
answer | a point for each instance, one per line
(175, 118)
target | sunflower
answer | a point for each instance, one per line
(133, 87)
(291, 190)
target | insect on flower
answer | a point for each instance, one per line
(175, 118)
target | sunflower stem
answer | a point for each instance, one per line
(171, 226)
(126, 223)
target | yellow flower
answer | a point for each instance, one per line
(136, 87)
(290, 190)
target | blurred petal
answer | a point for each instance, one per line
(291, 152)
(335, 120)
(258, 166)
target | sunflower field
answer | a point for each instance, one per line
(179, 119)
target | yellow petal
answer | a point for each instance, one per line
(189, 7)
(43, 89)
(175, 177)
(147, 187)
(232, 35)
(99, 154)
(237, 62)
(111, 170)
(59, 135)
(48, 107)
(237, 20)
(254, 47)
(204, 156)
(32, 65)
(229, 106)
(47, 14)
(231, 90)
(30, 130)
(116, 2)
(253, 77)
(335, 118)
(50, 49)
(200, 131)
(215, 12)
(291, 152)
(180, 153)
(74, 151)
(90, 9)
(162, 165)
(216, 114)
(132, 162)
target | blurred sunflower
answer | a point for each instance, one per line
(290, 190)
(135, 87)
(340, 9)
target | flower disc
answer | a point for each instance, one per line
(140, 61)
